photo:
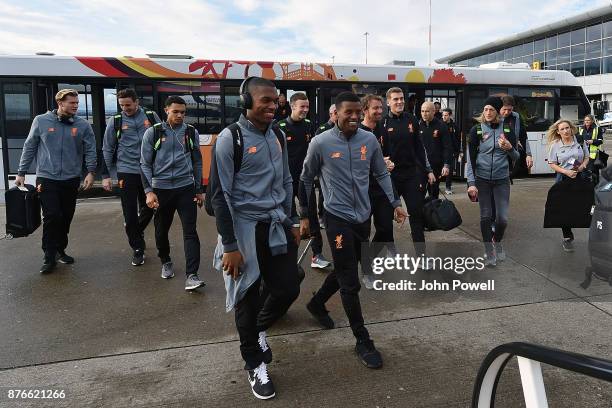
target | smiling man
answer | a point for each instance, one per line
(257, 242)
(343, 158)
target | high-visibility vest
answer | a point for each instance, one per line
(592, 149)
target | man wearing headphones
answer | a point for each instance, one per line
(59, 141)
(171, 166)
(256, 238)
(122, 145)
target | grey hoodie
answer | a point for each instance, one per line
(492, 160)
(173, 167)
(343, 166)
(59, 147)
(129, 146)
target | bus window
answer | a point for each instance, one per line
(145, 96)
(537, 113)
(18, 118)
(232, 105)
(203, 103)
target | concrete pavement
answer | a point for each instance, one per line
(115, 335)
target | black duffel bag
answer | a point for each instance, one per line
(440, 214)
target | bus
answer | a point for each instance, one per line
(210, 87)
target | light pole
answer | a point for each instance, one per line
(333, 58)
(366, 39)
(429, 60)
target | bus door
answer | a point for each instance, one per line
(16, 115)
(447, 98)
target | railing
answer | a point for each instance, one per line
(529, 358)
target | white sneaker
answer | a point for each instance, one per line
(368, 281)
(319, 261)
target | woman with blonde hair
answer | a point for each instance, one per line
(568, 158)
(492, 150)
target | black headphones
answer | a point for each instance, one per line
(245, 97)
(67, 120)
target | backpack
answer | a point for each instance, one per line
(117, 123)
(190, 142)
(214, 185)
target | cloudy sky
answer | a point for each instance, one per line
(287, 30)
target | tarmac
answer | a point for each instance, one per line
(113, 335)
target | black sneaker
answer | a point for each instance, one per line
(261, 384)
(48, 266)
(138, 258)
(320, 313)
(367, 353)
(65, 259)
(265, 347)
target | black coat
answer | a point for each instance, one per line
(569, 204)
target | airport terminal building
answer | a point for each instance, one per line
(581, 44)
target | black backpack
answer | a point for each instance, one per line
(214, 187)
(118, 122)
(441, 214)
(190, 143)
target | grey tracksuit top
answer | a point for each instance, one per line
(492, 160)
(174, 166)
(128, 147)
(59, 147)
(343, 166)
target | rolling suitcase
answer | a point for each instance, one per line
(600, 232)
(22, 211)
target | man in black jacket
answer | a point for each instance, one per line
(455, 136)
(438, 145)
(402, 144)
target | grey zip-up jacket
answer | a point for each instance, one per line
(129, 145)
(174, 166)
(260, 192)
(343, 166)
(263, 183)
(59, 148)
(491, 160)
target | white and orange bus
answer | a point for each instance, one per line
(28, 84)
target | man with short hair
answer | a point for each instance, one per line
(438, 146)
(283, 110)
(343, 158)
(60, 141)
(171, 166)
(513, 119)
(437, 108)
(331, 122)
(455, 136)
(404, 147)
(381, 209)
(122, 148)
(256, 239)
(298, 131)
